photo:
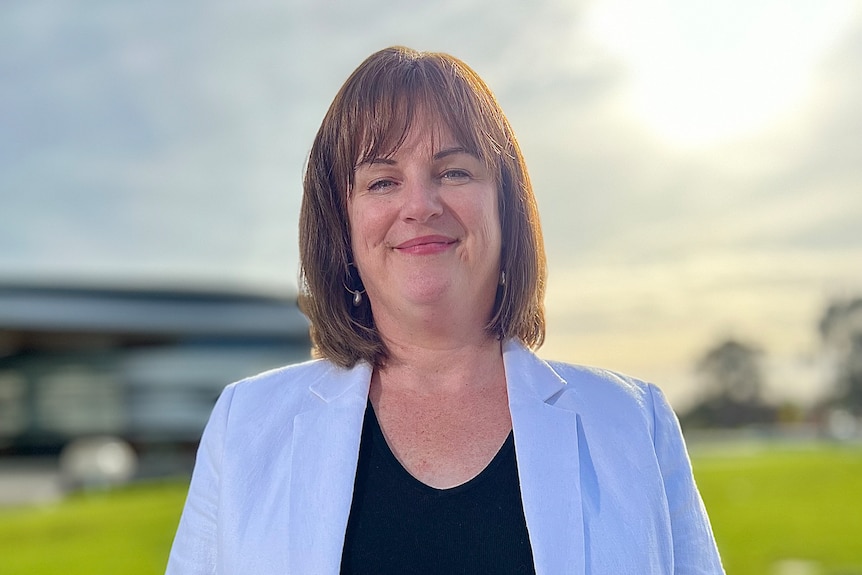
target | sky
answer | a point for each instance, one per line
(698, 165)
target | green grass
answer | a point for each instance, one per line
(766, 506)
(124, 532)
(775, 505)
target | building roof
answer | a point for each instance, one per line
(148, 312)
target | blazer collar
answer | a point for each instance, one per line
(325, 453)
(335, 382)
(326, 449)
(546, 445)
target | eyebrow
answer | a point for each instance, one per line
(438, 156)
(451, 151)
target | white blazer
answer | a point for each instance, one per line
(605, 478)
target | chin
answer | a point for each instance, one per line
(428, 295)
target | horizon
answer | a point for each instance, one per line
(697, 167)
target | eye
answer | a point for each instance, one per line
(455, 175)
(380, 185)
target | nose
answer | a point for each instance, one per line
(422, 200)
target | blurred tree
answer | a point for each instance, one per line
(841, 329)
(733, 385)
(732, 370)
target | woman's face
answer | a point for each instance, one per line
(425, 228)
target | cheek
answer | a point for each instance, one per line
(356, 225)
(367, 226)
(492, 224)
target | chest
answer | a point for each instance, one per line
(444, 442)
(398, 524)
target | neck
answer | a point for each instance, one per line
(443, 366)
(442, 325)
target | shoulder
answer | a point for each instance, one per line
(287, 378)
(257, 413)
(575, 387)
(595, 381)
(289, 389)
(610, 397)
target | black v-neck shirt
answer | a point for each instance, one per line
(400, 525)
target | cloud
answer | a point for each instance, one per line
(156, 140)
(164, 142)
(657, 252)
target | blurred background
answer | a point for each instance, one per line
(698, 168)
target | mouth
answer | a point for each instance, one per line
(425, 243)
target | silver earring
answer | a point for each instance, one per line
(502, 277)
(357, 293)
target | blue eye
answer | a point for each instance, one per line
(456, 175)
(378, 185)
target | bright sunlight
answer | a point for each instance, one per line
(703, 72)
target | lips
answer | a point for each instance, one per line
(426, 243)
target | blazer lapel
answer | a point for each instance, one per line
(325, 452)
(546, 445)
(326, 449)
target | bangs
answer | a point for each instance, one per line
(385, 110)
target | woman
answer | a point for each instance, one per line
(429, 438)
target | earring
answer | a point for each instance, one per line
(357, 293)
(502, 277)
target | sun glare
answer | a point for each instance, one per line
(702, 72)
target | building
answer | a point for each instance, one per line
(142, 365)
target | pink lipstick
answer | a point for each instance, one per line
(426, 245)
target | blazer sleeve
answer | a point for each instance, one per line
(694, 548)
(194, 551)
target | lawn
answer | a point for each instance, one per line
(798, 508)
(801, 508)
(124, 532)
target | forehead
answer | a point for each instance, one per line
(411, 124)
(425, 136)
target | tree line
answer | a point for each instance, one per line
(731, 375)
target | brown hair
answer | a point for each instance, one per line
(370, 117)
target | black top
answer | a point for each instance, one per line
(398, 524)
